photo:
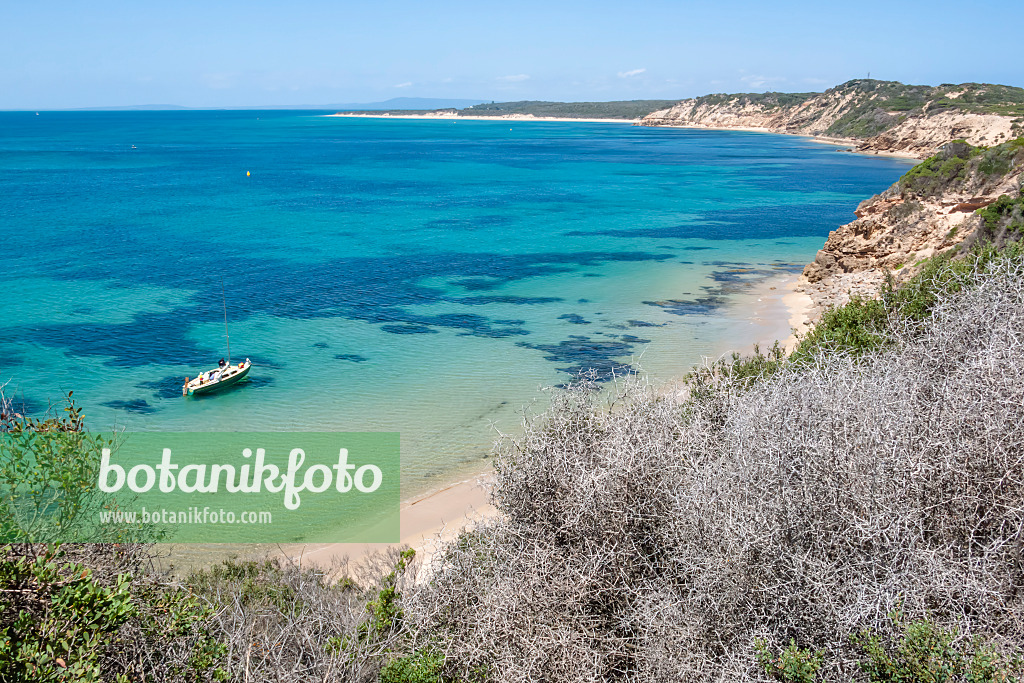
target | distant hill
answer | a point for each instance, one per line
(884, 116)
(405, 103)
(620, 109)
(626, 110)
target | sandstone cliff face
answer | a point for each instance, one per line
(873, 116)
(921, 136)
(812, 117)
(929, 210)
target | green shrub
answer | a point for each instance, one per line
(58, 621)
(857, 327)
(63, 621)
(49, 479)
(385, 611)
(422, 666)
(936, 173)
(1006, 211)
(925, 652)
(792, 665)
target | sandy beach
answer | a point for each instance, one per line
(426, 522)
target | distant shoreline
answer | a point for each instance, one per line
(820, 139)
(459, 117)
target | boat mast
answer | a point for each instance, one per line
(224, 297)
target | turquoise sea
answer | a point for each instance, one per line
(423, 276)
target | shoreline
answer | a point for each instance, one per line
(820, 139)
(456, 117)
(435, 517)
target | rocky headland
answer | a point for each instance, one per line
(961, 196)
(872, 116)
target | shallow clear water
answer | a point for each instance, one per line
(426, 277)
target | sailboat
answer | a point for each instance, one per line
(225, 374)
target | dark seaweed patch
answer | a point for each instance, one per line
(507, 299)
(630, 339)
(320, 345)
(477, 284)
(408, 329)
(379, 291)
(700, 306)
(733, 279)
(580, 354)
(165, 387)
(574, 318)
(136, 406)
(643, 323)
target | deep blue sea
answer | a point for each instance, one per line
(423, 276)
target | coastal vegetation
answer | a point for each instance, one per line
(620, 109)
(625, 109)
(883, 116)
(959, 163)
(893, 96)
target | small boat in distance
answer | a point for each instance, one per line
(225, 374)
(221, 377)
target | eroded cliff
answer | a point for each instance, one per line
(962, 195)
(874, 116)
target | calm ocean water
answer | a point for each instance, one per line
(427, 277)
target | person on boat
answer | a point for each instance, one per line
(221, 363)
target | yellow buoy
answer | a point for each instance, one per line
(246, 174)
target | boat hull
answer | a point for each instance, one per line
(214, 387)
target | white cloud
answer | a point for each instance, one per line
(514, 79)
(403, 85)
(760, 81)
(634, 72)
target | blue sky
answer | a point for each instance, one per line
(56, 54)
